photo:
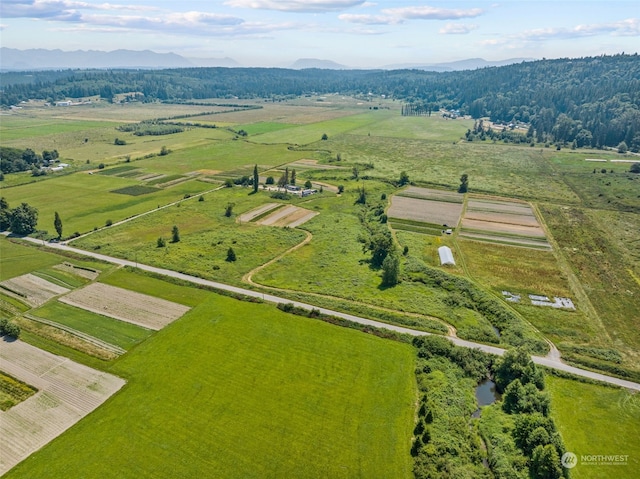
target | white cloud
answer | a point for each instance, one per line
(64, 10)
(628, 27)
(301, 6)
(432, 13)
(457, 29)
(369, 19)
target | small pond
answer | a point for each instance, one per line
(486, 394)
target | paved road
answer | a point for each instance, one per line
(543, 361)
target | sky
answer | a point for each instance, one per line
(356, 33)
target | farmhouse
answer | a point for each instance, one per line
(446, 256)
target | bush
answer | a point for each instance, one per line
(231, 255)
(161, 243)
(108, 223)
(8, 328)
(270, 180)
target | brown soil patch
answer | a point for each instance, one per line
(67, 391)
(290, 216)
(141, 309)
(425, 211)
(31, 289)
(521, 230)
(506, 218)
(83, 273)
(250, 215)
(500, 207)
(209, 172)
(431, 194)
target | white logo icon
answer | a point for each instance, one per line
(569, 460)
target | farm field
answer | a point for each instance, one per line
(503, 222)
(597, 420)
(206, 235)
(31, 289)
(507, 183)
(88, 201)
(430, 212)
(342, 396)
(124, 305)
(67, 392)
(115, 332)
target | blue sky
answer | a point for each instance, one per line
(356, 33)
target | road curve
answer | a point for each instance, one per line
(543, 361)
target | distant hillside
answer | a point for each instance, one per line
(40, 59)
(315, 63)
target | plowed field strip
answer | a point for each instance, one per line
(124, 305)
(68, 391)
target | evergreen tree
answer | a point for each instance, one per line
(391, 270)
(175, 234)
(231, 255)
(256, 179)
(464, 183)
(57, 223)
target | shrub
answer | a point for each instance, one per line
(270, 180)
(231, 255)
(108, 223)
(8, 328)
(161, 243)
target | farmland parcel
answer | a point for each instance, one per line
(67, 392)
(125, 305)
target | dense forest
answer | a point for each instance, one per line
(590, 102)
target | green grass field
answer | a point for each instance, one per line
(17, 259)
(85, 202)
(243, 390)
(112, 331)
(597, 420)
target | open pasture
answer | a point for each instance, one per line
(85, 202)
(497, 169)
(124, 305)
(433, 128)
(31, 289)
(430, 212)
(206, 235)
(312, 133)
(17, 259)
(67, 391)
(597, 420)
(316, 398)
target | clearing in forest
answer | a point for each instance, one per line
(31, 289)
(136, 308)
(67, 391)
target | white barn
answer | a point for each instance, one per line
(446, 256)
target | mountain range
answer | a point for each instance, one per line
(42, 59)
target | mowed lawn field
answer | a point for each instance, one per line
(237, 389)
(597, 420)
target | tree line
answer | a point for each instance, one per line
(594, 101)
